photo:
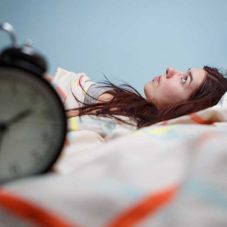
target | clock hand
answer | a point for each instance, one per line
(19, 117)
(5, 125)
(3, 128)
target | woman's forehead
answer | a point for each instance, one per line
(198, 76)
(198, 71)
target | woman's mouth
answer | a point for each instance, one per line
(157, 79)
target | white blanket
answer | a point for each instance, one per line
(169, 174)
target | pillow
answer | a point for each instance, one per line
(222, 102)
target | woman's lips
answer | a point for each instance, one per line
(157, 79)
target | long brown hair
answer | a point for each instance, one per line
(127, 101)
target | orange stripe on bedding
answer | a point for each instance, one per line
(80, 81)
(61, 93)
(164, 122)
(67, 143)
(196, 118)
(206, 137)
(144, 209)
(28, 211)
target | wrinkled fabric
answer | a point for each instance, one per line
(169, 174)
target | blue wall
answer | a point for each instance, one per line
(129, 40)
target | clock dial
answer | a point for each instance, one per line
(32, 124)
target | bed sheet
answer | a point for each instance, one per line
(169, 174)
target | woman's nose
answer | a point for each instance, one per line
(171, 72)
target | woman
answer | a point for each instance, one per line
(167, 96)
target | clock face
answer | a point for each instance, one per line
(32, 124)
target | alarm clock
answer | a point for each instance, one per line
(33, 123)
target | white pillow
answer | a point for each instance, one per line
(222, 102)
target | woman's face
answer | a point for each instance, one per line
(174, 86)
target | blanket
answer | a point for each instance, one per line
(169, 174)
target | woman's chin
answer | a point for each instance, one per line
(147, 90)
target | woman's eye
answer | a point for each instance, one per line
(184, 79)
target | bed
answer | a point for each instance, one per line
(169, 174)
